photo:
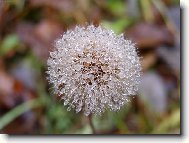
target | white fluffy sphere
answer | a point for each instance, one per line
(93, 69)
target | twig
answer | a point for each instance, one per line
(163, 12)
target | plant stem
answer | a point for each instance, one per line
(19, 110)
(91, 124)
(146, 7)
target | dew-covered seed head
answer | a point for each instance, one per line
(93, 69)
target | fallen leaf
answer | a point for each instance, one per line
(149, 35)
(39, 37)
(153, 92)
(6, 89)
(148, 60)
(66, 6)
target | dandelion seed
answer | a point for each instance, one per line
(93, 69)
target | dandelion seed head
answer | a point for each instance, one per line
(93, 69)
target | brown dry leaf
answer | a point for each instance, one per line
(12, 93)
(3, 14)
(158, 18)
(148, 60)
(47, 30)
(1, 17)
(149, 35)
(153, 92)
(66, 6)
(25, 32)
(40, 37)
(6, 90)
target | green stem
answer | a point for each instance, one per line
(19, 110)
(146, 10)
(91, 124)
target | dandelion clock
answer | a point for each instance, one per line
(92, 69)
